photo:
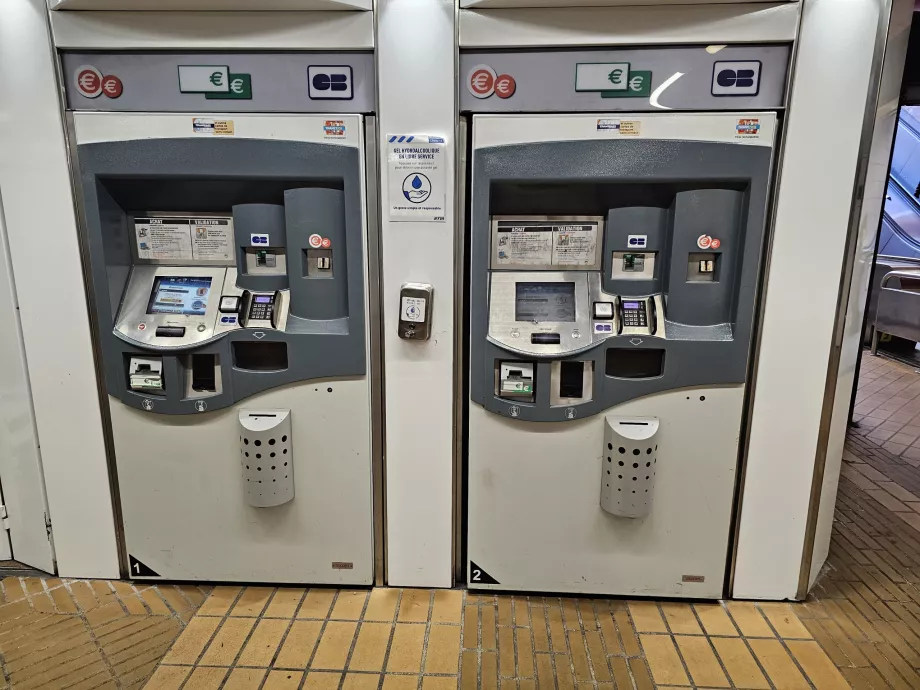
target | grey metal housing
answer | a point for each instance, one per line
(721, 186)
(121, 179)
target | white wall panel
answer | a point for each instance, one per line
(40, 224)
(213, 30)
(211, 5)
(885, 124)
(597, 26)
(832, 76)
(417, 95)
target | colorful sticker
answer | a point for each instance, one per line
(704, 241)
(630, 128)
(748, 127)
(315, 241)
(334, 128)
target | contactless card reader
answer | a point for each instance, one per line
(415, 311)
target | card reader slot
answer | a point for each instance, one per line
(545, 338)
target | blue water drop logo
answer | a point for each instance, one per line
(416, 188)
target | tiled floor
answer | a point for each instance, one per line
(88, 634)
(860, 627)
(888, 406)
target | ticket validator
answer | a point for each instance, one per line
(227, 256)
(614, 260)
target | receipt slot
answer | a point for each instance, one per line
(611, 295)
(236, 367)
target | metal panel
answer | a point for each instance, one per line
(212, 30)
(212, 5)
(673, 78)
(484, 4)
(598, 26)
(34, 178)
(20, 458)
(278, 82)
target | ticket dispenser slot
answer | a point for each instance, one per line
(145, 374)
(315, 220)
(571, 382)
(516, 381)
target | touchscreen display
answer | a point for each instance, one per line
(541, 302)
(179, 295)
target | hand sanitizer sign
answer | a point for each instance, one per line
(416, 182)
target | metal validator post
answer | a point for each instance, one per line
(415, 311)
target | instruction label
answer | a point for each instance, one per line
(184, 239)
(416, 188)
(546, 243)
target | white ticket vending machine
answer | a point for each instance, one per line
(224, 202)
(616, 252)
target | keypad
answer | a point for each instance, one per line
(635, 318)
(261, 311)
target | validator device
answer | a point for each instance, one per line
(415, 311)
(230, 295)
(611, 299)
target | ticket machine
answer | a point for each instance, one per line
(615, 259)
(227, 254)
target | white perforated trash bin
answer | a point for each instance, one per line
(629, 467)
(266, 457)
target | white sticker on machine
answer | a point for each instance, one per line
(546, 243)
(184, 238)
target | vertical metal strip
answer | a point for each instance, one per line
(833, 365)
(460, 398)
(375, 326)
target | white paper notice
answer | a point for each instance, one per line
(184, 239)
(416, 188)
(574, 245)
(163, 238)
(212, 239)
(525, 245)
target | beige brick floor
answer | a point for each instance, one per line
(859, 628)
(85, 634)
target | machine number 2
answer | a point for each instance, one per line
(480, 576)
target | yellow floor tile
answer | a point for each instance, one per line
(219, 601)
(784, 621)
(192, 641)
(285, 602)
(443, 654)
(317, 603)
(748, 619)
(505, 652)
(740, 664)
(400, 683)
(382, 604)
(488, 634)
(715, 620)
(578, 656)
(439, 683)
(227, 642)
(205, 678)
(349, 605)
(406, 648)
(489, 671)
(701, 661)
(817, 665)
(371, 647)
(252, 601)
(361, 681)
(244, 679)
(778, 665)
(334, 645)
(681, 619)
(471, 627)
(286, 680)
(298, 645)
(646, 617)
(168, 678)
(448, 606)
(663, 660)
(414, 605)
(322, 680)
(524, 652)
(262, 645)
